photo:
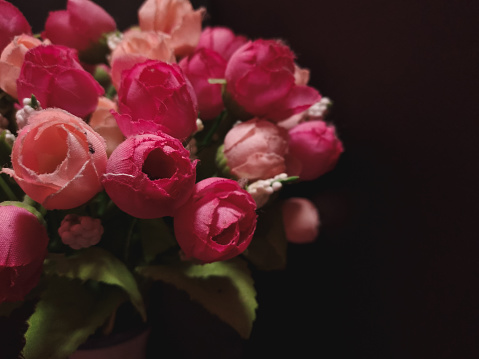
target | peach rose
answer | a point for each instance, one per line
(11, 61)
(136, 47)
(176, 18)
(301, 220)
(103, 122)
(58, 159)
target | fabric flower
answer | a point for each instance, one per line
(80, 231)
(149, 176)
(217, 222)
(221, 40)
(58, 159)
(12, 23)
(300, 219)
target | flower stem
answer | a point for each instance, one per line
(7, 190)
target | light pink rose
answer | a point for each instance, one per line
(11, 61)
(79, 26)
(300, 220)
(12, 23)
(217, 222)
(314, 149)
(260, 79)
(202, 65)
(23, 243)
(58, 159)
(150, 176)
(222, 40)
(138, 46)
(176, 18)
(255, 149)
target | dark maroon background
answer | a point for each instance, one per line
(395, 271)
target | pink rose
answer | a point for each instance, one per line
(199, 67)
(11, 61)
(217, 222)
(149, 176)
(54, 75)
(255, 149)
(300, 219)
(176, 18)
(12, 23)
(155, 96)
(314, 148)
(138, 46)
(222, 40)
(58, 159)
(80, 26)
(23, 243)
(260, 78)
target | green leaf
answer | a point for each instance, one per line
(99, 265)
(156, 238)
(224, 288)
(68, 312)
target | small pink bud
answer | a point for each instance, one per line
(301, 220)
(80, 231)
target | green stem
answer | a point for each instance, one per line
(7, 190)
(126, 250)
(206, 141)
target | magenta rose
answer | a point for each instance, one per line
(155, 96)
(222, 40)
(23, 247)
(217, 222)
(260, 79)
(58, 159)
(202, 65)
(314, 149)
(54, 75)
(150, 175)
(12, 23)
(79, 26)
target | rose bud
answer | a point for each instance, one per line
(176, 18)
(138, 46)
(315, 147)
(54, 75)
(202, 65)
(217, 222)
(12, 23)
(255, 149)
(260, 79)
(155, 96)
(58, 159)
(80, 26)
(222, 40)
(149, 176)
(300, 220)
(23, 240)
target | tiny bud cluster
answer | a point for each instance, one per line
(23, 114)
(80, 231)
(261, 190)
(319, 109)
(9, 137)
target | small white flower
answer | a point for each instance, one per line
(261, 190)
(24, 113)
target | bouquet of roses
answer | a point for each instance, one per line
(150, 154)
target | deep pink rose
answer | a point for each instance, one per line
(155, 96)
(260, 78)
(300, 219)
(217, 222)
(314, 149)
(58, 160)
(202, 65)
(255, 149)
(222, 40)
(79, 26)
(54, 75)
(23, 247)
(149, 176)
(12, 23)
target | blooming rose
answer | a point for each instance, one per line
(255, 149)
(222, 40)
(138, 46)
(54, 75)
(12, 23)
(315, 147)
(217, 222)
(11, 61)
(58, 159)
(155, 96)
(260, 79)
(300, 219)
(176, 18)
(199, 67)
(23, 247)
(149, 176)
(103, 122)
(79, 26)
